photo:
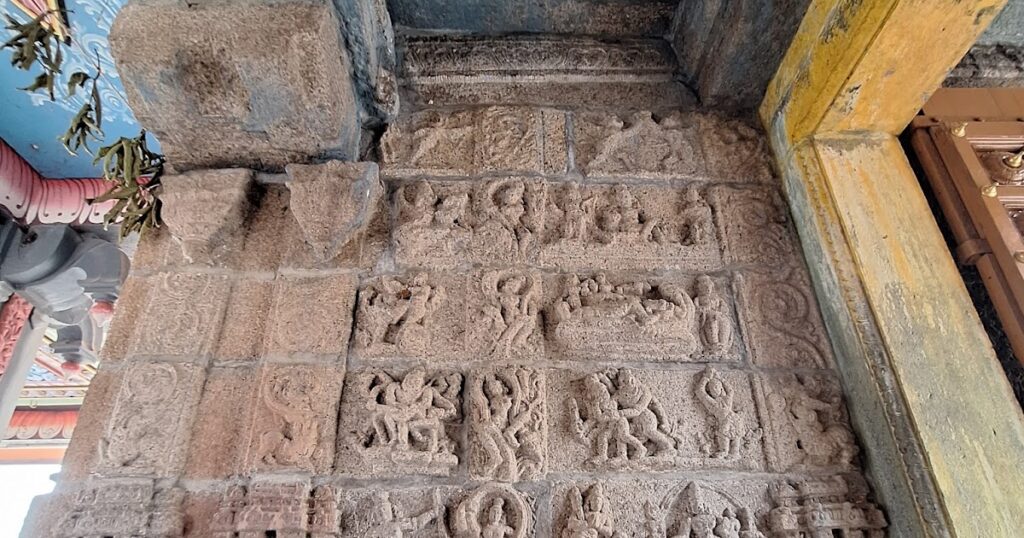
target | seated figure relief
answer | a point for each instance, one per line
(621, 421)
(623, 227)
(409, 416)
(507, 425)
(648, 319)
(443, 224)
(396, 314)
(589, 515)
(493, 511)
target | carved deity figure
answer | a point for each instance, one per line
(511, 311)
(409, 415)
(509, 209)
(387, 520)
(694, 516)
(621, 420)
(718, 400)
(697, 226)
(420, 207)
(713, 315)
(822, 435)
(589, 514)
(621, 216)
(492, 511)
(507, 427)
(397, 313)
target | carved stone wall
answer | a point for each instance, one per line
(551, 323)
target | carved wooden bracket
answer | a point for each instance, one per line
(205, 211)
(333, 202)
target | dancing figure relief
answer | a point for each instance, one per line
(621, 421)
(392, 312)
(409, 416)
(511, 309)
(507, 425)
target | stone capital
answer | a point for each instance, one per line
(205, 211)
(333, 202)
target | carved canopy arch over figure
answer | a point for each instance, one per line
(493, 511)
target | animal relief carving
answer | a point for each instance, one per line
(808, 424)
(443, 224)
(640, 146)
(623, 227)
(507, 424)
(621, 421)
(493, 511)
(290, 433)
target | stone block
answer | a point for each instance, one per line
(311, 316)
(283, 506)
(485, 315)
(445, 224)
(399, 423)
(507, 423)
(626, 420)
(82, 454)
(128, 309)
(152, 250)
(205, 211)
(755, 228)
(333, 202)
(183, 316)
(148, 430)
(781, 322)
(259, 85)
(488, 510)
(474, 141)
(644, 507)
(627, 227)
(641, 145)
(293, 410)
(599, 317)
(735, 150)
(119, 507)
(214, 451)
(805, 422)
(246, 319)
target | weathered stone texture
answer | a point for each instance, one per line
(260, 85)
(543, 323)
(205, 212)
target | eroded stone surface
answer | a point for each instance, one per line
(183, 316)
(628, 227)
(122, 507)
(293, 417)
(149, 426)
(636, 318)
(312, 316)
(639, 146)
(400, 423)
(806, 425)
(629, 419)
(215, 96)
(468, 142)
(333, 201)
(205, 212)
(781, 320)
(754, 227)
(507, 420)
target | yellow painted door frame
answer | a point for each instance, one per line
(943, 434)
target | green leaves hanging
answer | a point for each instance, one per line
(133, 169)
(135, 172)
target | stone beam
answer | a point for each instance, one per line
(257, 84)
(944, 435)
(728, 49)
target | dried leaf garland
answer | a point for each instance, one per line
(135, 172)
(35, 42)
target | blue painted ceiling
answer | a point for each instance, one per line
(32, 124)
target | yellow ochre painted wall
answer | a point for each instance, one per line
(855, 75)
